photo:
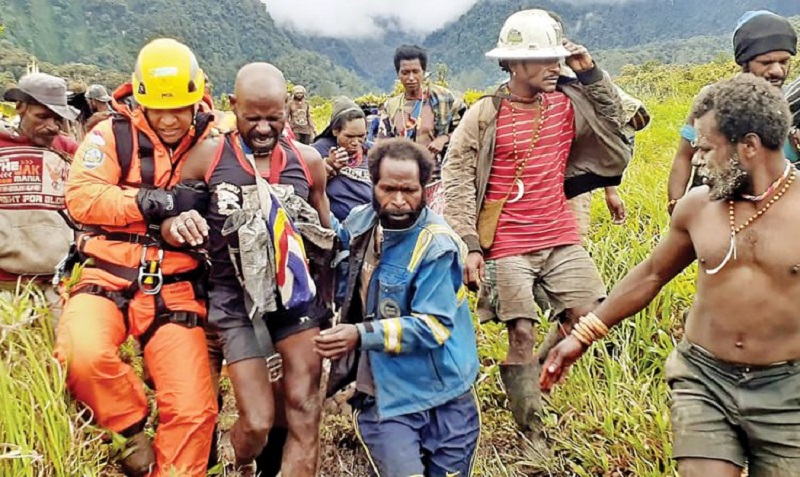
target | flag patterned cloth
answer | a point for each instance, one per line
(293, 277)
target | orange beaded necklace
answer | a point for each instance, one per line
(735, 230)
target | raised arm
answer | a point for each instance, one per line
(681, 171)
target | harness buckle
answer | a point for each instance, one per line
(150, 279)
(185, 318)
(275, 367)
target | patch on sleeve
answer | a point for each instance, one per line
(92, 157)
(97, 139)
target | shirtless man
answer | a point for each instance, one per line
(763, 45)
(735, 378)
(265, 413)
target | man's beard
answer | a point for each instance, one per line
(729, 183)
(390, 221)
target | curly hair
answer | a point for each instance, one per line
(402, 149)
(410, 53)
(746, 104)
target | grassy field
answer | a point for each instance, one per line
(609, 419)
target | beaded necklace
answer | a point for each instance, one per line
(735, 230)
(411, 122)
(522, 161)
(772, 187)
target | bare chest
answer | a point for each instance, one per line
(767, 244)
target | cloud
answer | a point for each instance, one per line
(361, 18)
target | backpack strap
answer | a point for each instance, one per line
(123, 137)
(123, 134)
(125, 147)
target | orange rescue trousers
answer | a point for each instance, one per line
(89, 335)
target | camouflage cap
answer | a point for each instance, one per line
(98, 92)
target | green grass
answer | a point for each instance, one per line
(609, 419)
(611, 416)
(42, 431)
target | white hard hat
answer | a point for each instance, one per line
(529, 35)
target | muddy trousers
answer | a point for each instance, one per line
(89, 335)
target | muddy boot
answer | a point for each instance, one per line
(525, 402)
(138, 458)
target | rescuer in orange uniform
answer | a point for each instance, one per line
(122, 186)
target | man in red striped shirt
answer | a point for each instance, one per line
(505, 177)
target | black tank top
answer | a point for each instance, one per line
(229, 175)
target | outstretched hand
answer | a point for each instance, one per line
(559, 360)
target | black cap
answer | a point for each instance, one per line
(760, 32)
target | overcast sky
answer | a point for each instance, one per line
(356, 18)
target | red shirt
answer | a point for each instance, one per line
(536, 215)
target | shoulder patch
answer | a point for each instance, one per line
(92, 157)
(97, 139)
(228, 198)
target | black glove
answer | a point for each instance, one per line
(157, 205)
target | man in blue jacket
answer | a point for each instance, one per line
(406, 334)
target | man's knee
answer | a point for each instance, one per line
(521, 335)
(256, 424)
(303, 401)
(88, 360)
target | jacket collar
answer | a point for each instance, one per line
(364, 219)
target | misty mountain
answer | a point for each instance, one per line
(226, 34)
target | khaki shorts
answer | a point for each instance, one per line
(566, 274)
(735, 413)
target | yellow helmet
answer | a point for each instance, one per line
(167, 76)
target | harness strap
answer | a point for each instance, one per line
(121, 298)
(163, 315)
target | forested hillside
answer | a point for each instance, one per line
(224, 34)
(638, 27)
(228, 33)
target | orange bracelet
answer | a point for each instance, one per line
(580, 335)
(596, 324)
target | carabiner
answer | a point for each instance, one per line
(150, 277)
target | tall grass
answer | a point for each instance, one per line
(42, 432)
(610, 418)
